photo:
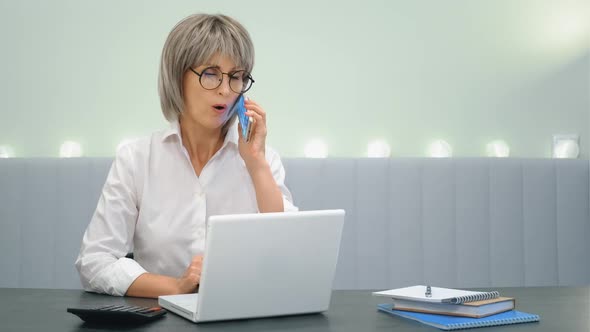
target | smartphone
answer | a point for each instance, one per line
(245, 121)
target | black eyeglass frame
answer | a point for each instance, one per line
(229, 75)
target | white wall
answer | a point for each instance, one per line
(348, 71)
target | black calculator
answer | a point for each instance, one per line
(119, 314)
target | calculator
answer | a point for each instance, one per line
(121, 314)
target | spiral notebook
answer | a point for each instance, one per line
(459, 323)
(437, 294)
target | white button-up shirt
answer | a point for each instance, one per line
(154, 205)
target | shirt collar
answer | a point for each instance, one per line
(230, 137)
(174, 130)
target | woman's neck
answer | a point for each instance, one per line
(200, 143)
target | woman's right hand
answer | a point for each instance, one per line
(189, 282)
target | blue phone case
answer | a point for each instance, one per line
(244, 120)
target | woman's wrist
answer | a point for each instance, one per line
(154, 285)
(257, 168)
(178, 286)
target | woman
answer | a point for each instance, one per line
(161, 189)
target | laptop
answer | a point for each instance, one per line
(264, 265)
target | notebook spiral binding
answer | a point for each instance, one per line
(475, 297)
(469, 325)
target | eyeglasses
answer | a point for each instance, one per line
(211, 78)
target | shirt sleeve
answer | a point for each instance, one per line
(101, 262)
(278, 172)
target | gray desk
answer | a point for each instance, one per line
(560, 308)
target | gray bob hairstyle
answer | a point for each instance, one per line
(193, 42)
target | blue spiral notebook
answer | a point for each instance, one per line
(458, 323)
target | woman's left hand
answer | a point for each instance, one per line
(253, 151)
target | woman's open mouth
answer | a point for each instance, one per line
(220, 108)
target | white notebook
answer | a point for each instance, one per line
(438, 294)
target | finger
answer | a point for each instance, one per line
(258, 119)
(197, 259)
(258, 127)
(197, 265)
(196, 273)
(250, 101)
(256, 108)
(194, 277)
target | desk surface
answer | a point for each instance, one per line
(560, 308)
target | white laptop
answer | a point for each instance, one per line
(262, 265)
